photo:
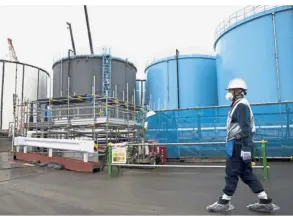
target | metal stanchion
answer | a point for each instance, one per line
(109, 146)
(264, 159)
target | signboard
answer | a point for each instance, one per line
(119, 154)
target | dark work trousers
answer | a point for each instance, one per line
(235, 168)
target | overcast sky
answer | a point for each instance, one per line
(138, 33)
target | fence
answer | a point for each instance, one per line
(120, 157)
(273, 123)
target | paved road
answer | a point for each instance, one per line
(160, 191)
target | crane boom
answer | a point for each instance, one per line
(88, 29)
(12, 54)
(71, 36)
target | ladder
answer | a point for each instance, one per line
(106, 72)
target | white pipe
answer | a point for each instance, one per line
(116, 92)
(276, 56)
(127, 92)
(175, 144)
(134, 97)
(179, 166)
(61, 90)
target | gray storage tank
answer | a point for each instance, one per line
(85, 71)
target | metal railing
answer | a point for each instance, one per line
(169, 54)
(98, 50)
(83, 117)
(240, 16)
(112, 164)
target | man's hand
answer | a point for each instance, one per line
(246, 155)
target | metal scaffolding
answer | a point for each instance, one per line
(88, 117)
(106, 71)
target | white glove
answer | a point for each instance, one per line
(246, 155)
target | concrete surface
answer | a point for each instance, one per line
(5, 144)
(35, 190)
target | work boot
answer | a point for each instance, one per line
(264, 205)
(220, 206)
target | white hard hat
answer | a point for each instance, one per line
(237, 84)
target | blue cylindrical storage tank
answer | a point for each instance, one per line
(258, 48)
(197, 81)
(140, 92)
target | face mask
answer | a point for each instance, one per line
(229, 96)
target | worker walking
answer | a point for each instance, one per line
(239, 144)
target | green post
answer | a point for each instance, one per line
(264, 159)
(109, 159)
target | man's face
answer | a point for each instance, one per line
(234, 92)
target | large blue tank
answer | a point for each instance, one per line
(196, 77)
(140, 92)
(257, 47)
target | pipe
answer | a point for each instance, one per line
(177, 70)
(38, 85)
(134, 97)
(179, 166)
(71, 36)
(2, 93)
(88, 29)
(15, 81)
(22, 84)
(141, 93)
(116, 91)
(94, 111)
(68, 72)
(168, 86)
(276, 56)
(61, 79)
(178, 144)
(127, 92)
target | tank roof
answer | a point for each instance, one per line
(180, 57)
(25, 64)
(93, 56)
(244, 15)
